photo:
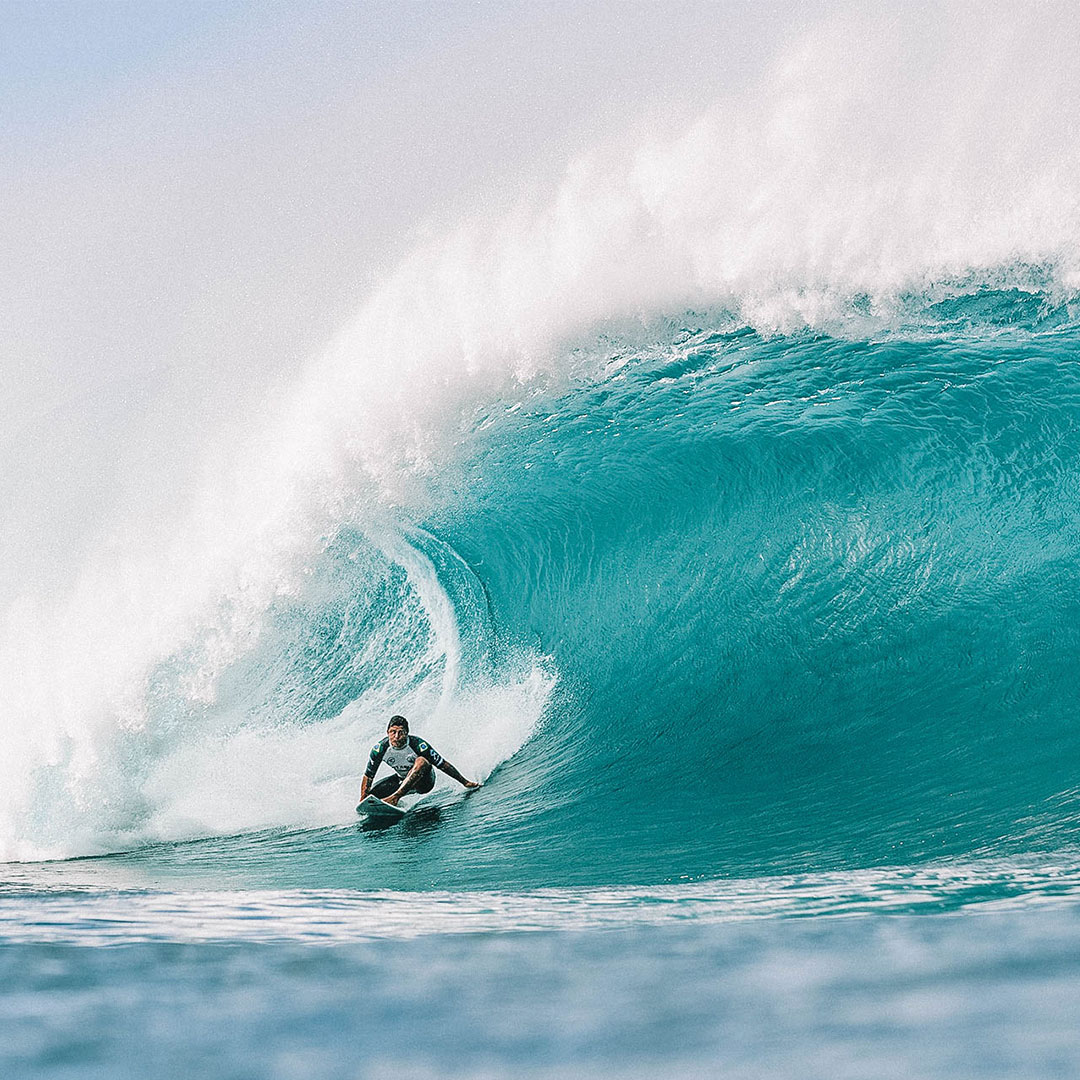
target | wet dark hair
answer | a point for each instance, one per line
(398, 721)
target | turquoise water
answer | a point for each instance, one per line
(844, 998)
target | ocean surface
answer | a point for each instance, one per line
(729, 532)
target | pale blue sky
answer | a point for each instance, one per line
(197, 195)
(59, 58)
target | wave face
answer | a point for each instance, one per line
(813, 600)
(718, 507)
(763, 604)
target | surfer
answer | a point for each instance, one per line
(411, 759)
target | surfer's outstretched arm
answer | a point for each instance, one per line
(365, 787)
(454, 774)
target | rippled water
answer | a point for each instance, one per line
(987, 994)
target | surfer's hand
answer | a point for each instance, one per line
(472, 783)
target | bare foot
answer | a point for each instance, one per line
(391, 800)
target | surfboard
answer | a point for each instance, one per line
(376, 810)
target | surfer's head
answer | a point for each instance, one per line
(398, 730)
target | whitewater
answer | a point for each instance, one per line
(717, 503)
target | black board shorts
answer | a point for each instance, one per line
(389, 784)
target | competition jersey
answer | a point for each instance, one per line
(401, 761)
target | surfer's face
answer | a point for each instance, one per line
(397, 736)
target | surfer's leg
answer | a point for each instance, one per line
(419, 781)
(386, 786)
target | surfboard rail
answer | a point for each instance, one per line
(377, 810)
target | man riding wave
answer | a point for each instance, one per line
(413, 761)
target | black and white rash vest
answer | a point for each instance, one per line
(401, 761)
